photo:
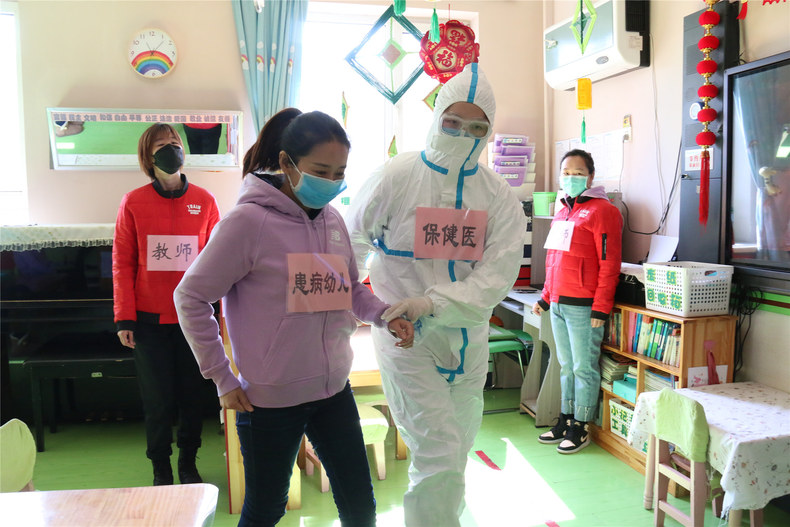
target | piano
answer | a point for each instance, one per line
(56, 315)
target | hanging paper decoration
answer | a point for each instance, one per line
(344, 107)
(744, 8)
(456, 48)
(399, 6)
(582, 24)
(706, 138)
(392, 151)
(583, 102)
(430, 99)
(434, 34)
(366, 58)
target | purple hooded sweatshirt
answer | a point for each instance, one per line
(284, 359)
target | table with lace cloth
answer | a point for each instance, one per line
(749, 438)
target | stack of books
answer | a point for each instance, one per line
(513, 157)
(654, 338)
(613, 368)
(655, 381)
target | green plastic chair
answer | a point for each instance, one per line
(512, 341)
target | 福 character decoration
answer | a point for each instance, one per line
(455, 49)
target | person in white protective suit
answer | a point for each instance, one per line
(410, 213)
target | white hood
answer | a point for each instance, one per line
(469, 86)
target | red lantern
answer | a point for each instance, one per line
(707, 115)
(708, 91)
(706, 138)
(456, 48)
(708, 42)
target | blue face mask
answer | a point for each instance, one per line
(316, 192)
(573, 185)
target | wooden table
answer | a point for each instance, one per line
(168, 505)
(749, 441)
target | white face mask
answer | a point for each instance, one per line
(454, 146)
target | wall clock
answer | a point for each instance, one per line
(152, 53)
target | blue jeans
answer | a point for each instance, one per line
(270, 439)
(578, 351)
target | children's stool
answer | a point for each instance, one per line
(374, 431)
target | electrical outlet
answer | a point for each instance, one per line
(627, 128)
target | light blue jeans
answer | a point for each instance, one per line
(578, 351)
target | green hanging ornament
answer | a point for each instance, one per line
(434, 35)
(400, 6)
(584, 131)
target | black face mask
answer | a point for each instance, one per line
(169, 159)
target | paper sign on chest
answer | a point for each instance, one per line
(560, 236)
(449, 234)
(167, 252)
(317, 282)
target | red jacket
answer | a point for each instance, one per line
(151, 210)
(587, 274)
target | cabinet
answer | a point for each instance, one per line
(540, 392)
(697, 336)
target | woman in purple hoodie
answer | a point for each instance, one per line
(283, 263)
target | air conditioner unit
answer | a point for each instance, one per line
(600, 40)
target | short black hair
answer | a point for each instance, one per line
(588, 160)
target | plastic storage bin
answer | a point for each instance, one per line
(542, 203)
(688, 289)
(620, 417)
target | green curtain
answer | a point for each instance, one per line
(270, 44)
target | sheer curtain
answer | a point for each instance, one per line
(761, 104)
(270, 44)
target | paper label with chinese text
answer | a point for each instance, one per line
(168, 252)
(317, 282)
(450, 234)
(560, 235)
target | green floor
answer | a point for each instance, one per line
(535, 486)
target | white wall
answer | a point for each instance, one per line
(74, 55)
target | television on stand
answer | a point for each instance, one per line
(756, 172)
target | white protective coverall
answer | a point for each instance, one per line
(435, 389)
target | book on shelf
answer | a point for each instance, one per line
(655, 381)
(612, 329)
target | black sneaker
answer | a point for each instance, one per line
(557, 432)
(577, 437)
(163, 472)
(187, 471)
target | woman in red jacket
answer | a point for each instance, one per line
(582, 271)
(160, 229)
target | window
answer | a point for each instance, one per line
(330, 33)
(13, 182)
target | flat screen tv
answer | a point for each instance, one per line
(756, 172)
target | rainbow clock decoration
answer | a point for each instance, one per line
(152, 53)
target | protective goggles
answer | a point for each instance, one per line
(457, 127)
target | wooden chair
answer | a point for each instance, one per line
(681, 421)
(374, 431)
(18, 455)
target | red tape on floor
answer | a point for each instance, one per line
(486, 460)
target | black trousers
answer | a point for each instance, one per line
(170, 386)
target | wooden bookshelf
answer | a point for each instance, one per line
(697, 335)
